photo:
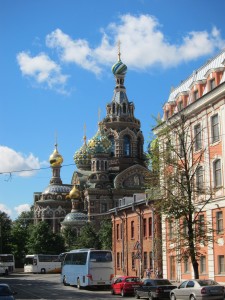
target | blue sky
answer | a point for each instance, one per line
(55, 64)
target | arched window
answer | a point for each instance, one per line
(139, 148)
(126, 146)
(199, 179)
(114, 108)
(106, 166)
(97, 165)
(124, 108)
(102, 165)
(111, 138)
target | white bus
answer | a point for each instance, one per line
(87, 267)
(7, 263)
(42, 263)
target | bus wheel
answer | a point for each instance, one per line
(64, 281)
(43, 271)
(78, 284)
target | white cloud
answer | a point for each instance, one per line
(42, 69)
(22, 207)
(144, 46)
(10, 161)
(5, 209)
(73, 51)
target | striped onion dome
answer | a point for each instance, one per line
(119, 68)
(82, 157)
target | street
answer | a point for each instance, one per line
(48, 286)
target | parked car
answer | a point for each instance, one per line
(198, 289)
(6, 293)
(154, 288)
(124, 285)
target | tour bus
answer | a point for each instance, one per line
(7, 263)
(87, 268)
(42, 263)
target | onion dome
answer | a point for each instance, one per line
(82, 157)
(75, 218)
(119, 68)
(100, 143)
(55, 158)
(74, 193)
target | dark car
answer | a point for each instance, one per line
(154, 289)
(198, 289)
(124, 285)
(6, 293)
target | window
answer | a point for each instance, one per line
(117, 231)
(132, 229)
(180, 105)
(111, 138)
(118, 260)
(199, 179)
(201, 227)
(144, 227)
(167, 114)
(219, 222)
(221, 264)
(215, 128)
(212, 84)
(186, 265)
(171, 229)
(202, 264)
(127, 146)
(217, 173)
(196, 95)
(145, 260)
(103, 207)
(198, 138)
(124, 108)
(150, 259)
(150, 226)
(185, 228)
(182, 146)
(133, 260)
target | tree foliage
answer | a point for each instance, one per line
(183, 196)
(5, 233)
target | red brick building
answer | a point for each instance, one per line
(136, 237)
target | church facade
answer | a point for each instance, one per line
(110, 166)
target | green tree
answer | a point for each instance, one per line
(5, 233)
(182, 191)
(20, 234)
(88, 237)
(42, 240)
(70, 237)
(105, 234)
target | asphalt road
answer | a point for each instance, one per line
(48, 286)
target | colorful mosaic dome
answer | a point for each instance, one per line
(119, 68)
(99, 143)
(82, 157)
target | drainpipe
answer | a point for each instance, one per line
(153, 234)
(122, 236)
(140, 237)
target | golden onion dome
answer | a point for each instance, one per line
(74, 193)
(55, 158)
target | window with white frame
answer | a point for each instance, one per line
(202, 264)
(217, 173)
(221, 264)
(212, 84)
(196, 95)
(186, 265)
(197, 137)
(219, 222)
(199, 179)
(215, 128)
